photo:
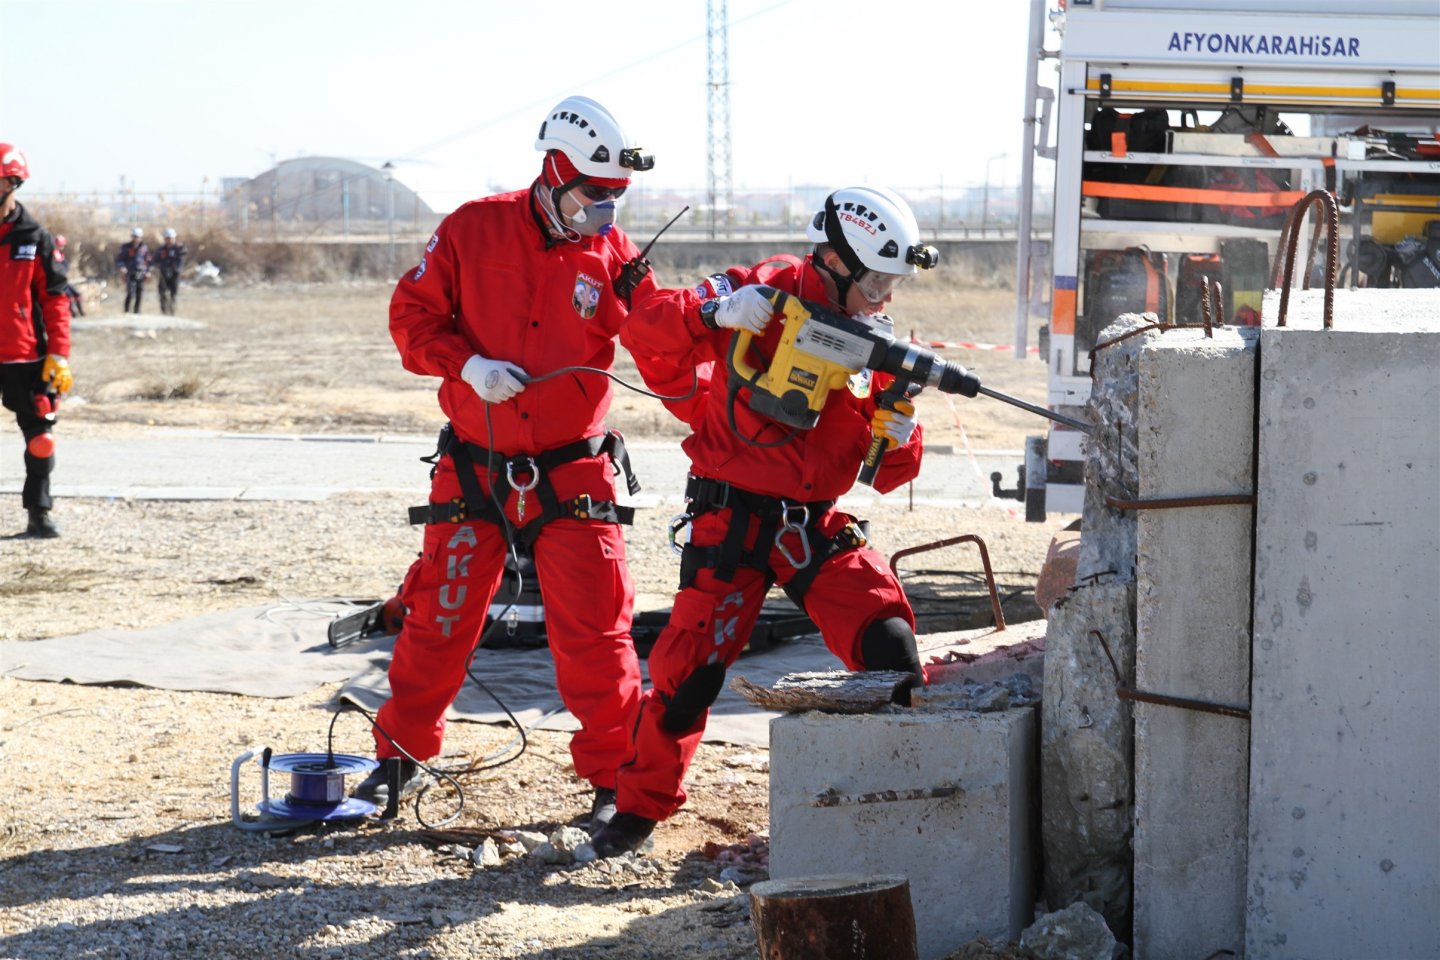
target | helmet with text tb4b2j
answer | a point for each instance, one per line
(591, 138)
(12, 162)
(875, 235)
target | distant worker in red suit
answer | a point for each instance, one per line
(34, 338)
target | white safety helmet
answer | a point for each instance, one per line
(136, 232)
(586, 133)
(875, 235)
(169, 233)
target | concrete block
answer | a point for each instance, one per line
(970, 857)
(1195, 435)
(1344, 857)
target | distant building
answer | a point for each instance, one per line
(329, 191)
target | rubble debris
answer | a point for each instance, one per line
(1075, 933)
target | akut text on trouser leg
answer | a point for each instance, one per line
(709, 625)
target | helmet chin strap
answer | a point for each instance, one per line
(579, 216)
(836, 237)
(550, 204)
(842, 283)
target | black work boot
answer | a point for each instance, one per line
(625, 833)
(41, 526)
(602, 809)
(376, 787)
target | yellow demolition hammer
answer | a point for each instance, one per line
(820, 350)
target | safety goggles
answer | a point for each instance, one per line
(876, 287)
(597, 193)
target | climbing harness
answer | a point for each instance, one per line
(527, 473)
(779, 521)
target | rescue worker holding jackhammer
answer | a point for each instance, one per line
(34, 338)
(511, 289)
(762, 494)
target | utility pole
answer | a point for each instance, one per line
(717, 117)
(389, 169)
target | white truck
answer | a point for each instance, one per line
(1183, 132)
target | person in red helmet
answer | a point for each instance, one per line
(34, 338)
(511, 290)
(761, 495)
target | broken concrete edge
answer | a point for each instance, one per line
(986, 655)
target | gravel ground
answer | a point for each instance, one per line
(118, 842)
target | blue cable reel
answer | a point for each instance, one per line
(317, 790)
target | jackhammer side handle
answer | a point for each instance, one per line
(879, 443)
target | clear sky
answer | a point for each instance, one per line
(173, 94)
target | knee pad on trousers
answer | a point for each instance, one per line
(693, 697)
(42, 445)
(889, 644)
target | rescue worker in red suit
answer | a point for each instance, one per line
(760, 505)
(34, 338)
(511, 289)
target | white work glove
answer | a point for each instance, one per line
(745, 309)
(494, 380)
(895, 425)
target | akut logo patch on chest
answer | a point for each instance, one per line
(586, 295)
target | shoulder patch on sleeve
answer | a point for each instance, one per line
(715, 285)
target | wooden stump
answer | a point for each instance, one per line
(844, 916)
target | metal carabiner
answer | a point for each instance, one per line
(677, 523)
(510, 476)
(796, 528)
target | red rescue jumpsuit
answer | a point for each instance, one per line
(492, 283)
(712, 618)
(34, 322)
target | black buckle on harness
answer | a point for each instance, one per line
(853, 535)
(704, 494)
(452, 512)
(585, 507)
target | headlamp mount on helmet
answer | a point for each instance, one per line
(632, 159)
(923, 255)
